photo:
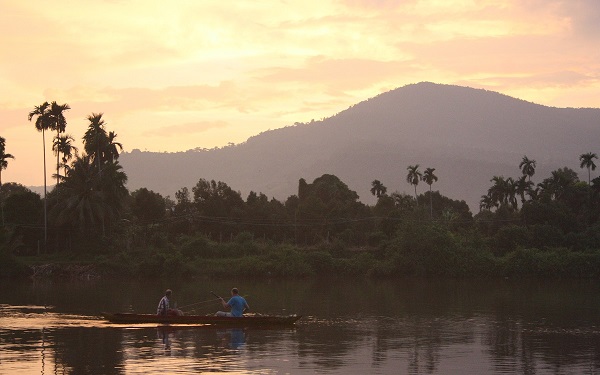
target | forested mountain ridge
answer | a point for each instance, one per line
(469, 135)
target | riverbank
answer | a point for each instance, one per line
(268, 260)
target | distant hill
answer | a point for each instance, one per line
(468, 135)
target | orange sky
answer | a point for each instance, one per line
(176, 75)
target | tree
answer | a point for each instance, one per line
(429, 178)
(3, 158)
(527, 166)
(111, 152)
(95, 138)
(62, 144)
(58, 122)
(402, 201)
(503, 192)
(558, 184)
(90, 201)
(377, 188)
(413, 177)
(3, 165)
(147, 205)
(42, 123)
(587, 161)
(83, 205)
(486, 202)
(523, 186)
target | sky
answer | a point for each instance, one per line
(183, 74)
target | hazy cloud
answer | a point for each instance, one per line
(228, 70)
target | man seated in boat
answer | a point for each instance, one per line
(164, 306)
(236, 303)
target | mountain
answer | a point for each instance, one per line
(468, 135)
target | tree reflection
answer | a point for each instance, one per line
(85, 350)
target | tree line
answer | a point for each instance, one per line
(91, 213)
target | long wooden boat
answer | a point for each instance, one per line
(246, 320)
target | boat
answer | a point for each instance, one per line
(246, 320)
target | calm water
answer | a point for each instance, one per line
(349, 327)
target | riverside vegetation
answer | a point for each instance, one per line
(89, 222)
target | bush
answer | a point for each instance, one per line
(197, 247)
(510, 237)
(320, 261)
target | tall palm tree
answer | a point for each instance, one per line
(95, 138)
(63, 144)
(587, 161)
(413, 177)
(58, 122)
(429, 179)
(112, 148)
(377, 188)
(3, 165)
(42, 123)
(527, 166)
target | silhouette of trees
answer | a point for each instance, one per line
(413, 177)
(43, 123)
(63, 145)
(58, 122)
(377, 188)
(527, 166)
(429, 178)
(587, 161)
(4, 156)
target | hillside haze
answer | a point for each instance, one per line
(468, 135)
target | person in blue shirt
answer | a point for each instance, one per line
(236, 303)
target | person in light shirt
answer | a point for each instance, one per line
(164, 306)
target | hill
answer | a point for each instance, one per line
(469, 135)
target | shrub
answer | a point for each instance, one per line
(510, 237)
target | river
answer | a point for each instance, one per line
(405, 326)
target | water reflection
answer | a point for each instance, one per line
(414, 327)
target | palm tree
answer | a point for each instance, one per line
(83, 205)
(429, 179)
(42, 123)
(523, 186)
(527, 166)
(95, 138)
(413, 177)
(3, 165)
(511, 192)
(560, 181)
(58, 122)
(62, 144)
(501, 192)
(587, 161)
(3, 157)
(90, 200)
(111, 152)
(486, 202)
(377, 189)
